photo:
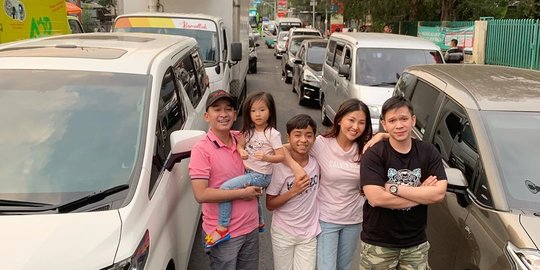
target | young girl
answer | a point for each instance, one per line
(259, 145)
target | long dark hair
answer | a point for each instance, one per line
(348, 106)
(247, 124)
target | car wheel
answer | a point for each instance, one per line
(301, 100)
(325, 120)
(254, 70)
(288, 79)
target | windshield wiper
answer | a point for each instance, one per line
(4, 202)
(70, 205)
(383, 84)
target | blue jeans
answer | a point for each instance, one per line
(250, 178)
(336, 245)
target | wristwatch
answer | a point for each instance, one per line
(394, 189)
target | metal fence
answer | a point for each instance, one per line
(514, 43)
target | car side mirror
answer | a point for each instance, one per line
(345, 71)
(457, 184)
(236, 51)
(181, 143)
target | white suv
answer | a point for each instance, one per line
(94, 146)
(367, 66)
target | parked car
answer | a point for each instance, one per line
(94, 172)
(307, 69)
(367, 66)
(485, 121)
(252, 56)
(279, 49)
(304, 32)
(287, 61)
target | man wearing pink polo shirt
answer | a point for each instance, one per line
(214, 160)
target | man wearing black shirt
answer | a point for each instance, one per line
(399, 178)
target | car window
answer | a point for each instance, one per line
(330, 52)
(405, 85)
(376, 66)
(512, 137)
(337, 56)
(171, 117)
(70, 132)
(423, 99)
(455, 140)
(190, 80)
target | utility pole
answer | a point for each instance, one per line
(313, 3)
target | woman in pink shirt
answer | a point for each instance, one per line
(338, 153)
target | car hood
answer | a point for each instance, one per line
(59, 241)
(373, 95)
(531, 224)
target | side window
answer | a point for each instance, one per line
(225, 52)
(337, 58)
(455, 140)
(203, 80)
(405, 85)
(347, 58)
(301, 52)
(187, 76)
(171, 117)
(330, 52)
(423, 100)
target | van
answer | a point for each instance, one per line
(95, 162)
(285, 24)
(367, 66)
(485, 121)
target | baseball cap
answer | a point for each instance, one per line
(217, 95)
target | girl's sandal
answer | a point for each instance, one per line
(210, 242)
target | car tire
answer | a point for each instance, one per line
(324, 118)
(288, 79)
(301, 100)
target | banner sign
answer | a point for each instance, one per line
(442, 35)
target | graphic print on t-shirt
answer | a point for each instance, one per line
(253, 146)
(404, 177)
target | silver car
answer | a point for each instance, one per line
(485, 121)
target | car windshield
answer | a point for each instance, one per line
(286, 26)
(315, 56)
(294, 46)
(69, 133)
(380, 66)
(207, 40)
(517, 156)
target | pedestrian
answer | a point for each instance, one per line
(295, 213)
(454, 54)
(399, 177)
(215, 159)
(259, 146)
(338, 153)
(387, 28)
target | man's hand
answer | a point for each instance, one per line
(251, 192)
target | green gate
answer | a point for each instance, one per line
(513, 43)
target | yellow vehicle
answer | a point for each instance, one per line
(23, 19)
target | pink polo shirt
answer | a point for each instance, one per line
(216, 162)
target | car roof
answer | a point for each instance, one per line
(304, 30)
(171, 15)
(107, 52)
(289, 20)
(305, 37)
(487, 87)
(384, 40)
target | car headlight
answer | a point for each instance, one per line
(523, 259)
(374, 111)
(138, 260)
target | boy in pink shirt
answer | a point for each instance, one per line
(295, 217)
(214, 160)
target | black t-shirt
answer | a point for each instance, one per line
(401, 228)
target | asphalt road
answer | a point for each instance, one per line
(268, 78)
